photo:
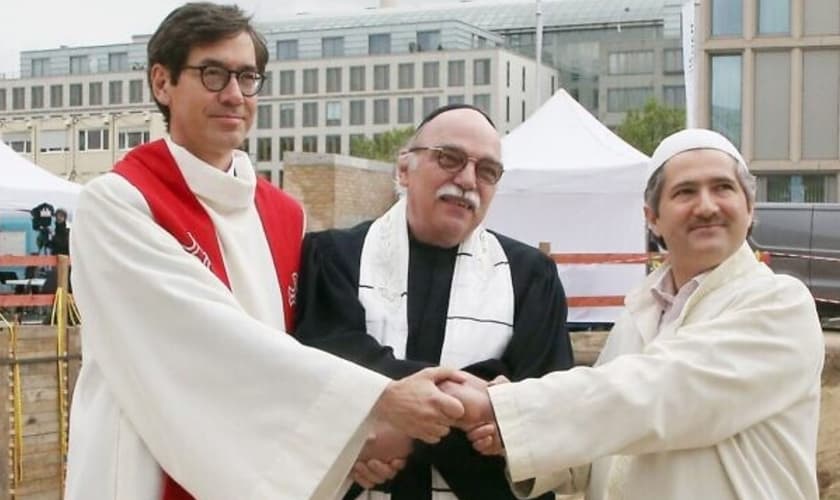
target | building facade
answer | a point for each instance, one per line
(769, 79)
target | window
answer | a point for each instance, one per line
(131, 138)
(95, 93)
(482, 102)
(726, 96)
(625, 99)
(674, 96)
(310, 144)
(481, 72)
(40, 66)
(37, 97)
(455, 99)
(639, 62)
(673, 61)
(53, 141)
(405, 110)
(357, 112)
(381, 110)
(287, 50)
(727, 17)
(820, 102)
(115, 92)
(287, 82)
(333, 113)
(135, 91)
(357, 78)
(431, 74)
(430, 104)
(75, 94)
(333, 144)
(798, 188)
(379, 43)
(267, 85)
(333, 79)
(56, 96)
(773, 17)
(117, 61)
(93, 139)
(264, 116)
(428, 40)
(381, 77)
(79, 65)
(356, 141)
(310, 81)
(455, 74)
(405, 73)
(263, 148)
(19, 97)
(286, 144)
(20, 142)
(332, 46)
(2, 99)
(310, 114)
(287, 115)
(822, 17)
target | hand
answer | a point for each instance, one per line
(373, 472)
(415, 406)
(476, 401)
(386, 443)
(486, 439)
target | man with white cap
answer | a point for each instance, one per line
(709, 384)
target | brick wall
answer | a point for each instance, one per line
(336, 190)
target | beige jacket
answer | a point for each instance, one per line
(723, 403)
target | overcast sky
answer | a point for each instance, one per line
(46, 24)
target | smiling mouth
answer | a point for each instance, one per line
(459, 201)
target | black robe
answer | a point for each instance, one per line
(330, 317)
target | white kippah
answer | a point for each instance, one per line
(688, 139)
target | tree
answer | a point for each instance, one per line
(644, 129)
(382, 147)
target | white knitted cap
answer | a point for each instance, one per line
(688, 139)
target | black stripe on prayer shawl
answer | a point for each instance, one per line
(479, 320)
(501, 263)
(463, 254)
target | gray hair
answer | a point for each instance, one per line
(653, 190)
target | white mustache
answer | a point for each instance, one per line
(470, 197)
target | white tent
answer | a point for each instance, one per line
(24, 185)
(573, 183)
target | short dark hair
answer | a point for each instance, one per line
(192, 24)
(449, 107)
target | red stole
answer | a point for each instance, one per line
(153, 171)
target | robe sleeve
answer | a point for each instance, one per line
(718, 376)
(227, 405)
(330, 316)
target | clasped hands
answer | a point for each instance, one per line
(425, 406)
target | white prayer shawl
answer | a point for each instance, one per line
(479, 322)
(181, 374)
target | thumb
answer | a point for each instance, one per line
(450, 406)
(441, 374)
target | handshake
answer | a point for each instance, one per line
(425, 406)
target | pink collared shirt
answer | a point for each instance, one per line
(671, 301)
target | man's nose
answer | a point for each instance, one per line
(465, 179)
(706, 203)
(232, 93)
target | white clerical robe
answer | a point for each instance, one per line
(722, 404)
(181, 374)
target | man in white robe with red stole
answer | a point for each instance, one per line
(185, 272)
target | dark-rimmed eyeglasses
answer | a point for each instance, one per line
(454, 160)
(216, 78)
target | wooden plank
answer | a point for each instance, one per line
(28, 260)
(601, 258)
(34, 300)
(600, 301)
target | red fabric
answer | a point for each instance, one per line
(153, 171)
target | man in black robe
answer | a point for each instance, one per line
(426, 285)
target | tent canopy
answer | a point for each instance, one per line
(571, 182)
(23, 185)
